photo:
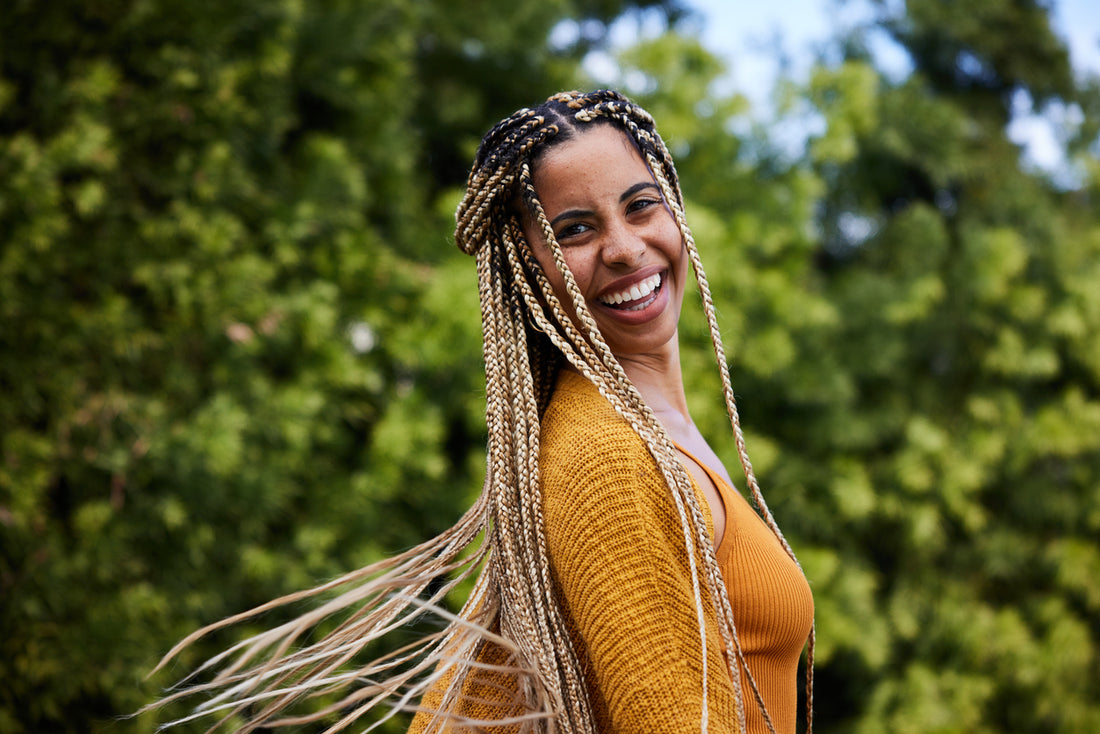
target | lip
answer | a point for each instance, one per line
(641, 316)
(634, 278)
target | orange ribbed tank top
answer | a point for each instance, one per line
(772, 607)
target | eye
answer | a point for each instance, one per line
(571, 230)
(641, 204)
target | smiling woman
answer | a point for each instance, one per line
(623, 584)
(618, 237)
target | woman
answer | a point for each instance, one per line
(603, 602)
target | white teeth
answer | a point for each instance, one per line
(636, 292)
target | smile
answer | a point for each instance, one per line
(635, 298)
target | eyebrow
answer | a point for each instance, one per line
(569, 214)
(636, 188)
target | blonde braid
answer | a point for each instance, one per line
(530, 501)
(529, 611)
(638, 414)
(685, 497)
(630, 405)
(635, 121)
(527, 333)
(734, 416)
(675, 200)
(713, 570)
(518, 500)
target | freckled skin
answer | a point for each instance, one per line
(615, 231)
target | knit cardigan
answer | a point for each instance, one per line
(619, 563)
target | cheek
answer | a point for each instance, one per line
(581, 264)
(674, 242)
(575, 260)
(557, 281)
(676, 250)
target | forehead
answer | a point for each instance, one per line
(595, 158)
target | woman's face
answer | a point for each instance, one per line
(618, 238)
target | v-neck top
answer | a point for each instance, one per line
(772, 604)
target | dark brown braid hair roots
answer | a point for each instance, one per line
(500, 541)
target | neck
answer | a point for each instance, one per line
(660, 380)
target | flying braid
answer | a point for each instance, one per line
(528, 336)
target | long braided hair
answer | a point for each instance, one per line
(528, 337)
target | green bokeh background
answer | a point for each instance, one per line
(239, 353)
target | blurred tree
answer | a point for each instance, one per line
(236, 353)
(953, 486)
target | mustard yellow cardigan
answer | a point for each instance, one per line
(617, 554)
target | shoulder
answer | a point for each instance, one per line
(592, 461)
(583, 434)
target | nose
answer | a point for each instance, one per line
(623, 246)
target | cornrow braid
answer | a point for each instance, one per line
(528, 336)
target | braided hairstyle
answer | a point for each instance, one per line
(528, 337)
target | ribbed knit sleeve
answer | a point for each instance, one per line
(616, 548)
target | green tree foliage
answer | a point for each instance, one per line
(951, 488)
(237, 355)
